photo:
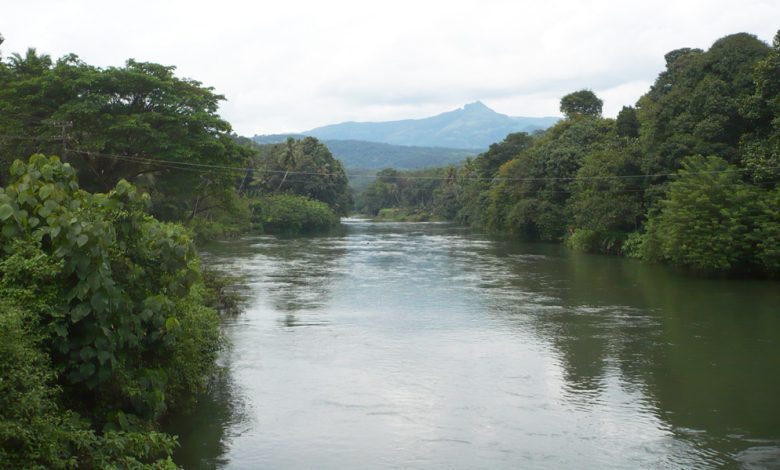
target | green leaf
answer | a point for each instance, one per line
(82, 240)
(6, 211)
(86, 370)
(87, 352)
(171, 323)
(60, 329)
(80, 311)
(103, 356)
(9, 230)
(99, 301)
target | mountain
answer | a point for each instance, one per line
(475, 126)
(375, 155)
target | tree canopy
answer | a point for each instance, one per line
(581, 103)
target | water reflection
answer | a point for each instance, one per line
(702, 353)
(426, 345)
(295, 274)
(205, 433)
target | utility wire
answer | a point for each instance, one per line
(25, 137)
(205, 168)
(243, 170)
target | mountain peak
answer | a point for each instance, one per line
(477, 106)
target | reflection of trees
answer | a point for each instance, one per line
(295, 274)
(299, 273)
(703, 352)
(202, 432)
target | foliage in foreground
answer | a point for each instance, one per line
(113, 327)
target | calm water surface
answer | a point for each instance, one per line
(427, 346)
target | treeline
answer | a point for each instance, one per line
(688, 176)
(107, 321)
(142, 124)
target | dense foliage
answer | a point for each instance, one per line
(292, 214)
(138, 122)
(302, 167)
(688, 176)
(114, 302)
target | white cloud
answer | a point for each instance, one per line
(298, 64)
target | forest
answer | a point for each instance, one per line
(687, 177)
(109, 177)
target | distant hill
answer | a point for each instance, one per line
(375, 156)
(475, 126)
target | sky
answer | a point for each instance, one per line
(292, 65)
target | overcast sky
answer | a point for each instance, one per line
(290, 65)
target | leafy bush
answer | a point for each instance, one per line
(116, 308)
(36, 432)
(707, 222)
(291, 214)
(768, 231)
(32, 431)
(597, 241)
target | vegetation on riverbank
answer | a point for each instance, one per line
(107, 306)
(106, 321)
(687, 177)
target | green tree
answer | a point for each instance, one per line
(581, 103)
(694, 105)
(708, 221)
(627, 124)
(138, 122)
(531, 191)
(303, 167)
(607, 200)
(761, 146)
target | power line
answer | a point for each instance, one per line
(206, 167)
(243, 170)
(27, 137)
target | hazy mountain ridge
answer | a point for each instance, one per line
(475, 127)
(447, 138)
(376, 155)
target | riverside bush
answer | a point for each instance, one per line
(292, 214)
(116, 309)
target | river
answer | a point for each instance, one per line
(425, 345)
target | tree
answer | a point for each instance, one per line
(606, 202)
(627, 124)
(303, 167)
(708, 221)
(761, 146)
(531, 191)
(694, 105)
(581, 103)
(139, 122)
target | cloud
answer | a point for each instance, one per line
(287, 66)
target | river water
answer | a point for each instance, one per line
(404, 345)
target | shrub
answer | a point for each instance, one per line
(116, 297)
(707, 221)
(291, 214)
(597, 241)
